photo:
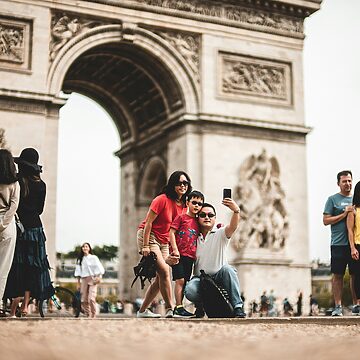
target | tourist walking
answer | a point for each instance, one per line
(29, 274)
(337, 208)
(9, 200)
(88, 271)
(153, 235)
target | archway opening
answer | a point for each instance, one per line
(88, 190)
(142, 98)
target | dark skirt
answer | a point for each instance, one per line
(30, 268)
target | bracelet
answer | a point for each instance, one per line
(146, 247)
(237, 211)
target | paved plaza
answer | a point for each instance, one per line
(130, 338)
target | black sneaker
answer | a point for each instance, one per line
(355, 310)
(199, 313)
(181, 312)
(239, 312)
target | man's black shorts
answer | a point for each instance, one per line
(340, 258)
(183, 269)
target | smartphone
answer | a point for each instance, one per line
(226, 193)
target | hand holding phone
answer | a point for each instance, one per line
(226, 193)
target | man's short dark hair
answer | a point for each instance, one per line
(195, 194)
(343, 173)
(210, 206)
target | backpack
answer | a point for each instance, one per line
(215, 299)
(145, 269)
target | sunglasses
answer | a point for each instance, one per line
(196, 202)
(185, 183)
(203, 215)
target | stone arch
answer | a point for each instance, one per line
(131, 35)
(152, 178)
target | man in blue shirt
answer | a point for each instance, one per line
(336, 210)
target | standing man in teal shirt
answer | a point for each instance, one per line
(336, 210)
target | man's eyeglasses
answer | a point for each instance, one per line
(203, 215)
(196, 202)
(185, 183)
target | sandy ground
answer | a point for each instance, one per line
(179, 339)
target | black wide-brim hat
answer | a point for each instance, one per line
(29, 157)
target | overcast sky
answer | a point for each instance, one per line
(332, 75)
(332, 98)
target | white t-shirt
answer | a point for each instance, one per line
(90, 266)
(211, 252)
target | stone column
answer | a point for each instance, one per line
(30, 122)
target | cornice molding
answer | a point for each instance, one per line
(270, 16)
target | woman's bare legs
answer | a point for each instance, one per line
(14, 305)
(161, 282)
(150, 294)
(25, 304)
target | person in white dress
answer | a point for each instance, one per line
(9, 201)
(88, 271)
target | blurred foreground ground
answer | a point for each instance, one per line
(121, 338)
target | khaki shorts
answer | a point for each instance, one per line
(153, 244)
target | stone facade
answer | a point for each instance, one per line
(213, 88)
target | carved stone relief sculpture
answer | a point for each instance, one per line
(15, 44)
(262, 201)
(187, 44)
(64, 28)
(256, 79)
(259, 19)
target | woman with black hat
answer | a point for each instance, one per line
(29, 274)
(9, 200)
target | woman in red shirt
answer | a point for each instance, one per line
(153, 235)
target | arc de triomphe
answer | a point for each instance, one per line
(211, 87)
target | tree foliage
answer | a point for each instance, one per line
(104, 252)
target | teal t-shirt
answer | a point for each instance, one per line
(335, 205)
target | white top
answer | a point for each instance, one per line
(90, 266)
(211, 252)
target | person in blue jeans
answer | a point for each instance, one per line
(212, 244)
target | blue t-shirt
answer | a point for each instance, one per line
(335, 205)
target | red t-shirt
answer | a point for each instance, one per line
(187, 231)
(166, 210)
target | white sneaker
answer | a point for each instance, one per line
(147, 314)
(169, 313)
(337, 311)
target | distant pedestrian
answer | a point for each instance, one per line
(264, 304)
(272, 305)
(314, 306)
(9, 201)
(29, 274)
(254, 307)
(119, 307)
(299, 304)
(336, 210)
(287, 308)
(88, 271)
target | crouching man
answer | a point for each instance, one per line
(211, 257)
